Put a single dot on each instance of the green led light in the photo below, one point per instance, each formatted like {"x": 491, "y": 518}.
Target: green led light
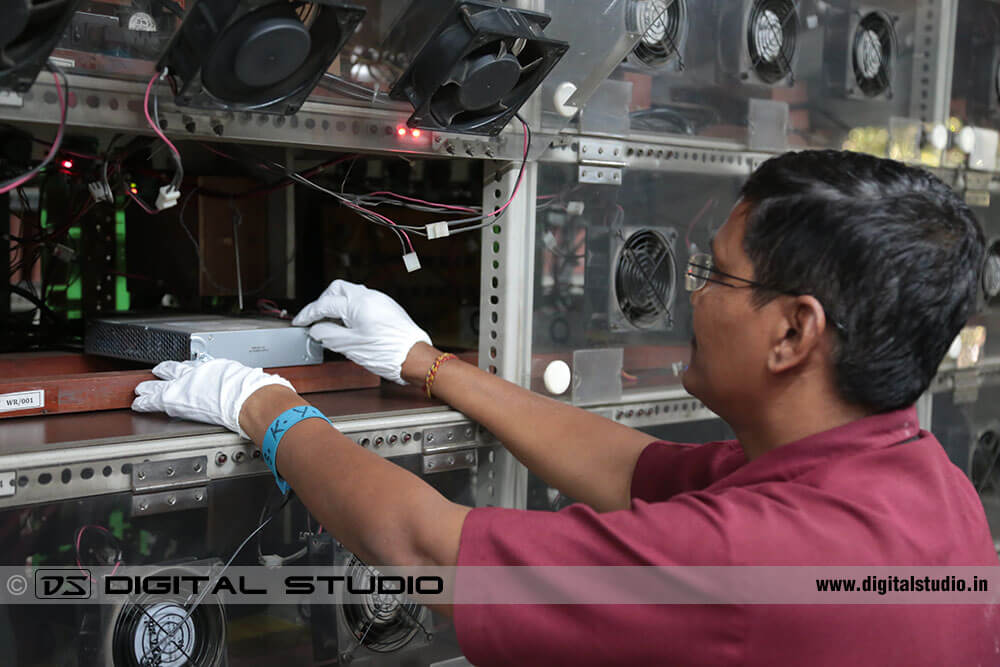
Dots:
{"x": 123, "y": 299}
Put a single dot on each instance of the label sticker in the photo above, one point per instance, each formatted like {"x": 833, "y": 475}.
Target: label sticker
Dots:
{"x": 8, "y": 483}
{"x": 22, "y": 400}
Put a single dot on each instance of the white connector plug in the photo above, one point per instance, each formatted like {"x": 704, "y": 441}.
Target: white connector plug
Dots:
{"x": 411, "y": 261}
{"x": 100, "y": 191}
{"x": 167, "y": 198}
{"x": 438, "y": 230}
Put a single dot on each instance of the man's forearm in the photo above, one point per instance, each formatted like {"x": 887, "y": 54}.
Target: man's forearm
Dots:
{"x": 587, "y": 457}
{"x": 381, "y": 512}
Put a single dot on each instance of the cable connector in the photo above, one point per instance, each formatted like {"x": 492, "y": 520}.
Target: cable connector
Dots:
{"x": 167, "y": 198}
{"x": 100, "y": 191}
{"x": 411, "y": 261}
{"x": 438, "y": 230}
{"x": 575, "y": 208}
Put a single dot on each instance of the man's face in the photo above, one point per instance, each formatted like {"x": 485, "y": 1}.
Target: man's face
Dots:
{"x": 728, "y": 368}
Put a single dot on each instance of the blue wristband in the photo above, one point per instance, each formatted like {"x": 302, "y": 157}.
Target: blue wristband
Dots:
{"x": 277, "y": 429}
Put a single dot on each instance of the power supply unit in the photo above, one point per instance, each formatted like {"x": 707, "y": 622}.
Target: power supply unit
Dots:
{"x": 254, "y": 341}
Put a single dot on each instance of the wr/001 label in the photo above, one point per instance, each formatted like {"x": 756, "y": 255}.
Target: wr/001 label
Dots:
{"x": 22, "y": 400}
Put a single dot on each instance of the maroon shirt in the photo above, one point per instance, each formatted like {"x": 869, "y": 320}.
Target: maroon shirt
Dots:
{"x": 859, "y": 494}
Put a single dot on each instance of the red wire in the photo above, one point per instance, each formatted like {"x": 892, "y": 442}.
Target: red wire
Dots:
{"x": 464, "y": 209}
{"x": 149, "y": 119}
{"x": 52, "y": 152}
{"x": 141, "y": 203}
{"x": 520, "y": 176}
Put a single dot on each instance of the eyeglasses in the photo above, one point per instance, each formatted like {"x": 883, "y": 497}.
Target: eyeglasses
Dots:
{"x": 701, "y": 266}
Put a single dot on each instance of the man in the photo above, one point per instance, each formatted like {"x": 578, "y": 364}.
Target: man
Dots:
{"x": 831, "y": 295}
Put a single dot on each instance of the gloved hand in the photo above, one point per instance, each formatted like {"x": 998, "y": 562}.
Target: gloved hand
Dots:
{"x": 207, "y": 391}
{"x": 377, "y": 334}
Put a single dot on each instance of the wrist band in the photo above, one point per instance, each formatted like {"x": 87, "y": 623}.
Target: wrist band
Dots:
{"x": 278, "y": 428}
{"x": 432, "y": 372}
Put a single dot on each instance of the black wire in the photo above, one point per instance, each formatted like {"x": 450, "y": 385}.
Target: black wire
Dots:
{"x": 57, "y": 71}
{"x": 48, "y": 312}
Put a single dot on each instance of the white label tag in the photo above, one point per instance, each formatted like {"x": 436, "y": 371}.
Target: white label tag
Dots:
{"x": 8, "y": 98}
{"x": 22, "y": 400}
{"x": 8, "y": 483}
{"x": 65, "y": 63}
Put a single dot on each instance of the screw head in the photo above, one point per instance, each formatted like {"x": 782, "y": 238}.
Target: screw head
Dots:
{"x": 197, "y": 466}
{"x": 171, "y": 500}
{"x": 170, "y": 471}
{"x": 140, "y": 475}
{"x": 143, "y": 506}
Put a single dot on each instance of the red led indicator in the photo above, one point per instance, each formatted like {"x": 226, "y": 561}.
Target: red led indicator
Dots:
{"x": 401, "y": 131}
{"x": 67, "y": 164}
{"x": 415, "y": 133}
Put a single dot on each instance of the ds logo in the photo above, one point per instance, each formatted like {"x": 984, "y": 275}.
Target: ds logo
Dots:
{"x": 62, "y": 584}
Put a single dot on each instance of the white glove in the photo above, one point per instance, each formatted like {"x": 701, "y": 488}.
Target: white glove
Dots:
{"x": 377, "y": 334}
{"x": 207, "y": 391}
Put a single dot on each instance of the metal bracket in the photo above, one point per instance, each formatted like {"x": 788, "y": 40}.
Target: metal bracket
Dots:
{"x": 457, "y": 460}
{"x": 977, "y": 188}
{"x": 169, "y": 474}
{"x": 449, "y": 438}
{"x": 967, "y": 383}
{"x": 602, "y": 152}
{"x": 600, "y": 175}
{"x": 170, "y": 501}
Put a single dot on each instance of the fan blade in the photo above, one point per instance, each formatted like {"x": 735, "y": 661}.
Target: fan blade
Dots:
{"x": 534, "y": 64}
{"x": 446, "y": 104}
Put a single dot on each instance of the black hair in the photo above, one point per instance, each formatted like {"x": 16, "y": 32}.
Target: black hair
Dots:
{"x": 892, "y": 253}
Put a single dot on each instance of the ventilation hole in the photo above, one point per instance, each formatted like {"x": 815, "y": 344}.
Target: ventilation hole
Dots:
{"x": 87, "y": 473}
{"x": 44, "y": 478}
{"x": 66, "y": 476}
{"x": 496, "y": 247}
{"x": 495, "y": 282}
{"x": 496, "y": 229}
{"x": 107, "y": 471}
{"x": 493, "y": 335}
{"x": 326, "y": 126}
{"x": 496, "y": 264}
{"x": 22, "y": 481}
{"x": 493, "y": 353}
{"x": 126, "y": 468}
{"x": 494, "y": 299}
{"x": 493, "y": 370}
{"x": 494, "y": 318}
{"x": 497, "y": 193}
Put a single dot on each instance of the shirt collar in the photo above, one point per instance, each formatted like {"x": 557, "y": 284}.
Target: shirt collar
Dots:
{"x": 787, "y": 461}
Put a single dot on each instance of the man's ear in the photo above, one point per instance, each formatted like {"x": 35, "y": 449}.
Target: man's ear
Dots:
{"x": 797, "y": 333}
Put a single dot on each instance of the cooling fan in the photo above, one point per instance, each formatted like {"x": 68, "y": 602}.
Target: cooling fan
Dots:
{"x": 984, "y": 464}
{"x": 261, "y": 55}
{"x": 479, "y": 63}
{"x": 156, "y": 629}
{"x": 29, "y": 31}
{"x": 991, "y": 275}
{"x": 663, "y": 25}
{"x": 872, "y": 55}
{"x": 379, "y": 623}
{"x": 767, "y": 31}
{"x": 643, "y": 279}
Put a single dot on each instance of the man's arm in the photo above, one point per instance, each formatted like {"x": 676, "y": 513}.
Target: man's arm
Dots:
{"x": 585, "y": 456}
{"x": 382, "y": 513}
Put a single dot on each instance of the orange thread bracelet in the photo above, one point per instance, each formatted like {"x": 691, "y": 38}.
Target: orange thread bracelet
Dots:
{"x": 432, "y": 372}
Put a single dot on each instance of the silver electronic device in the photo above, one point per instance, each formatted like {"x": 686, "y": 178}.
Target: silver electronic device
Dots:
{"x": 254, "y": 341}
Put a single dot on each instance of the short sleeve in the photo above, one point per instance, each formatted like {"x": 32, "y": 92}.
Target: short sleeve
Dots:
{"x": 688, "y": 531}
{"x": 665, "y": 469}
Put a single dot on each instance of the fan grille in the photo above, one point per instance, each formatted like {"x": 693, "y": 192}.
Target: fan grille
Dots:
{"x": 991, "y": 274}
{"x": 645, "y": 278}
{"x": 772, "y": 27}
{"x": 984, "y": 468}
{"x": 662, "y": 24}
{"x": 380, "y": 623}
{"x": 872, "y": 53}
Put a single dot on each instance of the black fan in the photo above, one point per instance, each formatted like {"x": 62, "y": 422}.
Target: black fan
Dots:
{"x": 771, "y": 32}
{"x": 380, "y": 623}
{"x": 29, "y": 31}
{"x": 479, "y": 65}
{"x": 663, "y": 26}
{"x": 984, "y": 468}
{"x": 991, "y": 275}
{"x": 645, "y": 279}
{"x": 254, "y": 55}
{"x": 872, "y": 54}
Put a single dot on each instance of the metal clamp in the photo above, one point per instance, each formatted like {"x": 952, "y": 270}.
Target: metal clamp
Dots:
{"x": 458, "y": 460}
{"x": 169, "y": 474}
